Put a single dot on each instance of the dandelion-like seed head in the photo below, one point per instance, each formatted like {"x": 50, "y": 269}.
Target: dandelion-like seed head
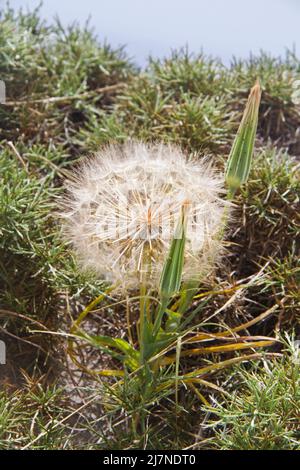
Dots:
{"x": 122, "y": 208}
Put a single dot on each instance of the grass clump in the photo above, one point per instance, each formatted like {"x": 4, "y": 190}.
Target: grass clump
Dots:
{"x": 195, "y": 101}
{"x": 279, "y": 112}
{"x": 262, "y": 411}
{"x": 34, "y": 270}
{"x": 30, "y": 412}
{"x": 152, "y": 107}
{"x": 54, "y": 77}
{"x": 270, "y": 207}
{"x": 26, "y": 249}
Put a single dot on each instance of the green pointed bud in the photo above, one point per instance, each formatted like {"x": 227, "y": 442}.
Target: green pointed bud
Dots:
{"x": 170, "y": 280}
{"x": 239, "y": 161}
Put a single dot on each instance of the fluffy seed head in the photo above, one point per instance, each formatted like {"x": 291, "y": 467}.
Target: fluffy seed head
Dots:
{"x": 122, "y": 208}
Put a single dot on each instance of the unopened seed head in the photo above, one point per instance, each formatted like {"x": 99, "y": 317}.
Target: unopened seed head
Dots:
{"x": 122, "y": 207}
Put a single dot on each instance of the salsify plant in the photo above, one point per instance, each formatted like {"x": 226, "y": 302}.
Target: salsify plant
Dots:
{"x": 151, "y": 221}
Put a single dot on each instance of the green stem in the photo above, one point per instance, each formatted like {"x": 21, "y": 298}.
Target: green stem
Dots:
{"x": 143, "y": 319}
{"x": 162, "y": 308}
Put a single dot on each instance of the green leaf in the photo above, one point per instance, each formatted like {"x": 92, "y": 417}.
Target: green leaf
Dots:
{"x": 131, "y": 356}
{"x": 171, "y": 276}
{"x": 170, "y": 280}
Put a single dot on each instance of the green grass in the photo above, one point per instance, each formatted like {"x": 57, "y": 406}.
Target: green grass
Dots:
{"x": 39, "y": 62}
{"x": 34, "y": 268}
{"x": 30, "y": 413}
{"x": 262, "y": 412}
{"x": 54, "y": 117}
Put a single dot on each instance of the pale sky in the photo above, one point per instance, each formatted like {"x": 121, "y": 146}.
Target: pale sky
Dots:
{"x": 222, "y": 28}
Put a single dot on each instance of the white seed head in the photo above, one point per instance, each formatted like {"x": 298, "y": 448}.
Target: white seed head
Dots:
{"x": 122, "y": 208}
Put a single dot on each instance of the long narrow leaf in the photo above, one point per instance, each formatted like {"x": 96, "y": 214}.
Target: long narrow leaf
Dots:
{"x": 172, "y": 271}
{"x": 239, "y": 161}
{"x": 219, "y": 349}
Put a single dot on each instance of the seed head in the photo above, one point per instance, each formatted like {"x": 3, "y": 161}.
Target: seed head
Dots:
{"x": 122, "y": 208}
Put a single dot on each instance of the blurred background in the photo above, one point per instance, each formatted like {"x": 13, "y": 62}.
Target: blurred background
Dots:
{"x": 222, "y": 28}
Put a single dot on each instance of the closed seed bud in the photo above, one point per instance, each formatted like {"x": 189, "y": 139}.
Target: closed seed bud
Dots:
{"x": 239, "y": 160}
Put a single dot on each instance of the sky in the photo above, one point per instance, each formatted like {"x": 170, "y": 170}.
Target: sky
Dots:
{"x": 221, "y": 28}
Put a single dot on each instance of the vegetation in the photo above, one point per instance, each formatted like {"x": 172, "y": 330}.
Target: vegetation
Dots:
{"x": 52, "y": 395}
{"x": 263, "y": 414}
